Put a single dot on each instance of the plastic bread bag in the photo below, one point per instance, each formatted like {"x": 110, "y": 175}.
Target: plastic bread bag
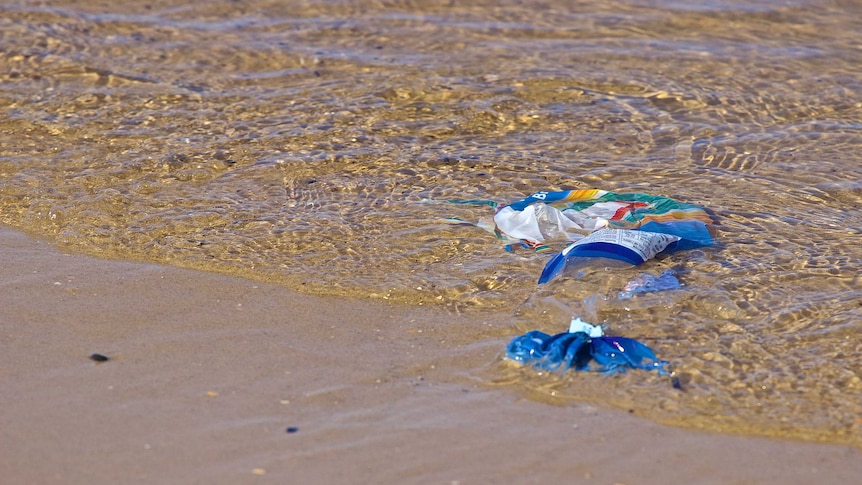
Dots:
{"x": 573, "y": 214}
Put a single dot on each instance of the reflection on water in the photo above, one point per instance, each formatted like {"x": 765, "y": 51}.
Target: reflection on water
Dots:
{"x": 306, "y": 143}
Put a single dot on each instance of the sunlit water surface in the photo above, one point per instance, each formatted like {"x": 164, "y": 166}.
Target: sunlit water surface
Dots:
{"x": 315, "y": 144}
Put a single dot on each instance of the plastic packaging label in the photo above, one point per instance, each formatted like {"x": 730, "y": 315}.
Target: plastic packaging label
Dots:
{"x": 632, "y": 246}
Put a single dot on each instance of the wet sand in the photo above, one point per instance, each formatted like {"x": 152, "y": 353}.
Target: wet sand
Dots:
{"x": 214, "y": 379}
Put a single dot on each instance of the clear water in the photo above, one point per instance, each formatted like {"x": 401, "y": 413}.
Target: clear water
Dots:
{"x": 306, "y": 142}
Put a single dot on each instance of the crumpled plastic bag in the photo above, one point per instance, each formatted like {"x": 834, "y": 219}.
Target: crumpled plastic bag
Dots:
{"x": 582, "y": 348}
{"x": 628, "y": 227}
{"x": 573, "y": 214}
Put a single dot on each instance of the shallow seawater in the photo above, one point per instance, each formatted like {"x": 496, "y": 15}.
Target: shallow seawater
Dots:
{"x": 316, "y": 144}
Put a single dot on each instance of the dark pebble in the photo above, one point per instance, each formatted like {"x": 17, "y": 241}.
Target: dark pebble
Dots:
{"x": 292, "y": 429}
{"x": 99, "y": 358}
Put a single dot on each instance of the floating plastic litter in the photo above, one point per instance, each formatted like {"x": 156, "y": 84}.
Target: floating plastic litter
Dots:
{"x": 628, "y": 227}
{"x": 573, "y": 214}
{"x": 584, "y": 349}
{"x": 646, "y": 283}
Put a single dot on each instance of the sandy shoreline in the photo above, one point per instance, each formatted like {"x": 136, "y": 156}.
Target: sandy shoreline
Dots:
{"x": 207, "y": 373}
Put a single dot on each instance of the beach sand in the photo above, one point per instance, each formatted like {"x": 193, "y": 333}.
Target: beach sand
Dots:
{"x": 214, "y": 379}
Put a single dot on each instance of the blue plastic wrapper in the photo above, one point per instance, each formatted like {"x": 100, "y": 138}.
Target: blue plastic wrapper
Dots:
{"x": 579, "y": 351}
{"x": 646, "y": 283}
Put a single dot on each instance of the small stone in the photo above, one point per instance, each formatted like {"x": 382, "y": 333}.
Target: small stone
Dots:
{"x": 99, "y": 357}
{"x": 292, "y": 429}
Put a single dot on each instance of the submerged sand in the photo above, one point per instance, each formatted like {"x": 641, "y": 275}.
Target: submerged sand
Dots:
{"x": 214, "y": 379}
